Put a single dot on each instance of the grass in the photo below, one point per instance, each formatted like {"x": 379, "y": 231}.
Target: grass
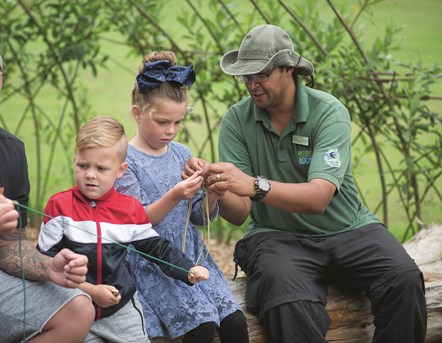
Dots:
{"x": 420, "y": 39}
{"x": 110, "y": 91}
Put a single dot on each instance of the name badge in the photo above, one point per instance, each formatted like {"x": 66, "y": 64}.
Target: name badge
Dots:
{"x": 300, "y": 140}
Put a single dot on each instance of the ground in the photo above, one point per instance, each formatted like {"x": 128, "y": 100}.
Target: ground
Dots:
{"x": 223, "y": 255}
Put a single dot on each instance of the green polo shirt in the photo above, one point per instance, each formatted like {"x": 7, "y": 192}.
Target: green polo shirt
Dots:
{"x": 315, "y": 145}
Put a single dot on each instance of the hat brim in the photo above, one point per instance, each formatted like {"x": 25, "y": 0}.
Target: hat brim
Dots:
{"x": 231, "y": 65}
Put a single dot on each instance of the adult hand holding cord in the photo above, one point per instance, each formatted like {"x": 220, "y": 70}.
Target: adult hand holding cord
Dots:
{"x": 8, "y": 215}
{"x": 193, "y": 164}
{"x": 231, "y": 179}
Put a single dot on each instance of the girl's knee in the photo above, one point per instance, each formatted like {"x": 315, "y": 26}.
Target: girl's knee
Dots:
{"x": 205, "y": 332}
{"x": 233, "y": 328}
{"x": 234, "y": 321}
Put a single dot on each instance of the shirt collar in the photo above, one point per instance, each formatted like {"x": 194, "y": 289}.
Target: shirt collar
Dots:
{"x": 108, "y": 195}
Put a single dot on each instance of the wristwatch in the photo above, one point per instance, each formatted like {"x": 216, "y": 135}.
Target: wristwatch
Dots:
{"x": 262, "y": 187}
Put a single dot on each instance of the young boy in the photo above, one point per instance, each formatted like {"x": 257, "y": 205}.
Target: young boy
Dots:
{"x": 93, "y": 219}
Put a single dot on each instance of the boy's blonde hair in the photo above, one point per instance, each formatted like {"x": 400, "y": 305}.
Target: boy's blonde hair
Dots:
{"x": 102, "y": 132}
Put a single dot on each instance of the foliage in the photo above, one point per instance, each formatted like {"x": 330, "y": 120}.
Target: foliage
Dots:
{"x": 51, "y": 41}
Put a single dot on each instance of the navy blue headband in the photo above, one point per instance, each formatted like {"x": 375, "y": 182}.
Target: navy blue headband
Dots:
{"x": 155, "y": 73}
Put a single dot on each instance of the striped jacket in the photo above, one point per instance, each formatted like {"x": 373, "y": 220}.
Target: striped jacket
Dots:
{"x": 102, "y": 229}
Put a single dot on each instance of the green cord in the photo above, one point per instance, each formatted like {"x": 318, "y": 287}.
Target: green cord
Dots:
{"x": 104, "y": 238}
{"x": 109, "y": 240}
{"x": 22, "y": 272}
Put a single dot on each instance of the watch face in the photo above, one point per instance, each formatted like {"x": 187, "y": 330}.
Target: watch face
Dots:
{"x": 262, "y": 187}
{"x": 264, "y": 184}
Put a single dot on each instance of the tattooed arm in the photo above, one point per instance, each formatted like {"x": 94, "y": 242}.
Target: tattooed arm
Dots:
{"x": 66, "y": 269}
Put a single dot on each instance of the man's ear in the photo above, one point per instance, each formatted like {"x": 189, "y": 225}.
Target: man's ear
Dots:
{"x": 122, "y": 169}
{"x": 136, "y": 113}
{"x": 290, "y": 71}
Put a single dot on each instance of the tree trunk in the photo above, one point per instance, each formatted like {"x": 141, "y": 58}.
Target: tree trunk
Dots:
{"x": 352, "y": 321}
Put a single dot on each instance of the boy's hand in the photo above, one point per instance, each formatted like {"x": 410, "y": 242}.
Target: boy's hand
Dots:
{"x": 105, "y": 295}
{"x": 197, "y": 274}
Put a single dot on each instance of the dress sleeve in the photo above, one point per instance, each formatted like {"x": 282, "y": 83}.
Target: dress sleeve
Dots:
{"x": 130, "y": 185}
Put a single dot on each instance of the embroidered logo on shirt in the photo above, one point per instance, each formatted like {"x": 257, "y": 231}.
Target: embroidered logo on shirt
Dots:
{"x": 333, "y": 158}
{"x": 304, "y": 156}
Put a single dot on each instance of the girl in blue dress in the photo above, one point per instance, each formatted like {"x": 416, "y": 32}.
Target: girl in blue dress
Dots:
{"x": 171, "y": 308}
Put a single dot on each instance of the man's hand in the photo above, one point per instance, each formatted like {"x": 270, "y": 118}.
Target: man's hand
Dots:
{"x": 220, "y": 177}
{"x": 193, "y": 165}
{"x": 223, "y": 176}
{"x": 8, "y": 215}
{"x": 227, "y": 185}
{"x": 68, "y": 269}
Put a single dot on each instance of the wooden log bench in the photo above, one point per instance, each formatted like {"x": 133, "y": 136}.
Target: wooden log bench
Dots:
{"x": 352, "y": 321}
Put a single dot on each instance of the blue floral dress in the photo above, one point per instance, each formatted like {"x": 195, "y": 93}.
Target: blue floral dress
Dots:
{"x": 172, "y": 308}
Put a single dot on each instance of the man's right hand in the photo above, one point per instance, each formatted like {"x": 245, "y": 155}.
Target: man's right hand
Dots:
{"x": 67, "y": 269}
{"x": 8, "y": 215}
{"x": 193, "y": 165}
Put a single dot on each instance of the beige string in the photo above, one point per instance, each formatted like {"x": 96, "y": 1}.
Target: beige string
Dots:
{"x": 206, "y": 225}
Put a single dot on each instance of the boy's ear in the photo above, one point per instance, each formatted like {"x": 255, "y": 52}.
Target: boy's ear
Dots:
{"x": 122, "y": 169}
{"x": 136, "y": 113}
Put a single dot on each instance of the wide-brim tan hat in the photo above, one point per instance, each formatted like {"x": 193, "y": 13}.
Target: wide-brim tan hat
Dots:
{"x": 264, "y": 48}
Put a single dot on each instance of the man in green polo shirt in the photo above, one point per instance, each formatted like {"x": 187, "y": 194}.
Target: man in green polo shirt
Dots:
{"x": 286, "y": 152}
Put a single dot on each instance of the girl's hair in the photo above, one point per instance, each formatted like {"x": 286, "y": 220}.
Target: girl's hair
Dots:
{"x": 166, "y": 90}
{"x": 102, "y": 132}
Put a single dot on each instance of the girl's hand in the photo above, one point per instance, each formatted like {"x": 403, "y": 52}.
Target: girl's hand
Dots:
{"x": 105, "y": 295}
{"x": 186, "y": 189}
{"x": 197, "y": 274}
